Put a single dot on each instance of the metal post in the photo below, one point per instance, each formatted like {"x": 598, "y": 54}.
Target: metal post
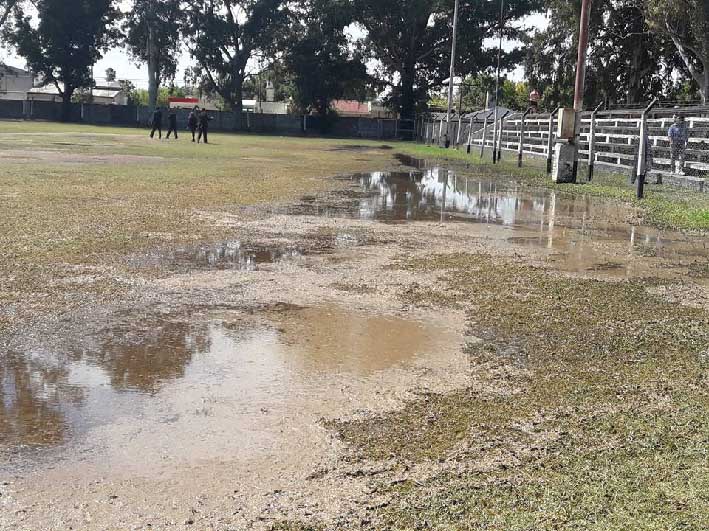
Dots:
{"x": 592, "y": 142}
{"x": 497, "y": 82}
{"x": 642, "y": 152}
{"x": 482, "y": 145}
{"x": 470, "y": 132}
{"x": 580, "y": 79}
{"x": 520, "y": 149}
{"x": 451, "y": 79}
{"x": 550, "y": 140}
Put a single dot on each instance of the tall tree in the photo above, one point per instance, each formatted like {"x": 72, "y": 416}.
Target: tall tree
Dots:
{"x": 321, "y": 63}
{"x": 411, "y": 41}
{"x": 152, "y": 34}
{"x": 226, "y": 34}
{"x": 686, "y": 23}
{"x": 68, "y": 39}
{"x": 627, "y": 64}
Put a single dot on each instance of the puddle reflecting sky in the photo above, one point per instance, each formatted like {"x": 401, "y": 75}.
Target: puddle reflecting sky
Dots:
{"x": 191, "y": 385}
{"x": 582, "y": 233}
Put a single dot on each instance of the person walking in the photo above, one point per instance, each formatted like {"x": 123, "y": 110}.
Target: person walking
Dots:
{"x": 172, "y": 123}
{"x": 157, "y": 123}
{"x": 679, "y": 139}
{"x": 203, "y": 126}
{"x": 193, "y": 122}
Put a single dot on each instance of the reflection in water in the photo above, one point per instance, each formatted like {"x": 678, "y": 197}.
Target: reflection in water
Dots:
{"x": 149, "y": 377}
{"x": 32, "y": 391}
{"x": 221, "y": 256}
{"x": 582, "y": 233}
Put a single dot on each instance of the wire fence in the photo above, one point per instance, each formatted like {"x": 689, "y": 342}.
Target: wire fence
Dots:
{"x": 609, "y": 140}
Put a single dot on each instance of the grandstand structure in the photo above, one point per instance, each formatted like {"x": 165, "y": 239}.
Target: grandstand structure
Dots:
{"x": 608, "y": 138}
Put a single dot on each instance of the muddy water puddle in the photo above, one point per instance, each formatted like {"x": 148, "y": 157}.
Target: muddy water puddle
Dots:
{"x": 577, "y": 233}
{"x": 158, "y": 390}
{"x": 228, "y": 255}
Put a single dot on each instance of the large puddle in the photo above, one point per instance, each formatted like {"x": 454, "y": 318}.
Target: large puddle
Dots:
{"x": 579, "y": 233}
{"x": 169, "y": 388}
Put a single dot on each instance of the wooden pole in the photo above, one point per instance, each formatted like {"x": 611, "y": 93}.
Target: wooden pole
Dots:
{"x": 580, "y": 79}
{"x": 451, "y": 79}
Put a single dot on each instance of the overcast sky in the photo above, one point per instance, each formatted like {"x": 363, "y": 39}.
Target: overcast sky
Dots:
{"x": 119, "y": 60}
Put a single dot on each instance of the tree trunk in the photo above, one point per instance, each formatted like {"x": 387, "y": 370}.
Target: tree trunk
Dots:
{"x": 153, "y": 71}
{"x": 408, "y": 98}
{"x": 66, "y": 103}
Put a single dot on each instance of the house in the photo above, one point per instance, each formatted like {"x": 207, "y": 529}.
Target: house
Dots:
{"x": 14, "y": 83}
{"x": 357, "y": 109}
{"x": 106, "y": 94}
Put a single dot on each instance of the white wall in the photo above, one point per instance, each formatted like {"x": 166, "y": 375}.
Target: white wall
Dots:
{"x": 14, "y": 87}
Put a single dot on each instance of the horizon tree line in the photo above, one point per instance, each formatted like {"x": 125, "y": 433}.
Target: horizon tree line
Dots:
{"x": 638, "y": 48}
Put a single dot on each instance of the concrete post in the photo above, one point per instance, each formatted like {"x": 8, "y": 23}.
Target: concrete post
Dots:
{"x": 550, "y": 140}
{"x": 470, "y": 133}
{"x": 460, "y": 128}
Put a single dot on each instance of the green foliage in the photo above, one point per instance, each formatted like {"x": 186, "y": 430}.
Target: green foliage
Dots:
{"x": 157, "y": 23}
{"x": 322, "y": 66}
{"x": 68, "y": 39}
{"x": 626, "y": 64}
{"x": 226, "y": 34}
{"x": 686, "y": 24}
{"x": 141, "y": 96}
{"x": 411, "y": 40}
{"x": 514, "y": 95}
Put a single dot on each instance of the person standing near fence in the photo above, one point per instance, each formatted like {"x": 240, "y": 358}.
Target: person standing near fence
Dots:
{"x": 679, "y": 139}
{"x": 193, "y": 122}
{"x": 203, "y": 126}
{"x": 157, "y": 123}
{"x": 172, "y": 123}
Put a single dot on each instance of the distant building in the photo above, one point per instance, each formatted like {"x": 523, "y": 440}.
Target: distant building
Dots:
{"x": 15, "y": 83}
{"x": 110, "y": 93}
{"x": 357, "y": 109}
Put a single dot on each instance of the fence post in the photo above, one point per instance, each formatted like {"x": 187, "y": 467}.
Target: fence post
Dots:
{"x": 592, "y": 142}
{"x": 470, "y": 132}
{"x": 460, "y": 128}
{"x": 494, "y": 136}
{"x": 642, "y": 152}
{"x": 499, "y": 135}
{"x": 520, "y": 149}
{"x": 482, "y": 145}
{"x": 550, "y": 140}
{"x": 440, "y": 133}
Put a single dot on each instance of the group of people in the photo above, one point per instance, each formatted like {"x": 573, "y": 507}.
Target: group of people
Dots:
{"x": 197, "y": 123}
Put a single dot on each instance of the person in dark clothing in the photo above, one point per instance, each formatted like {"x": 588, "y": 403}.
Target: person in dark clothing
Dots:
{"x": 193, "y": 122}
{"x": 172, "y": 123}
{"x": 203, "y": 126}
{"x": 157, "y": 123}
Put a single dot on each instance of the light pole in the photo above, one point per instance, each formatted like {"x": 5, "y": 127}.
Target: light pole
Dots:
{"x": 451, "y": 80}
{"x": 580, "y": 80}
{"x": 497, "y": 82}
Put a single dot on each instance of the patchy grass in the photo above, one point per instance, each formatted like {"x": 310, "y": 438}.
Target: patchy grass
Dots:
{"x": 76, "y": 196}
{"x": 663, "y": 206}
{"x": 587, "y": 410}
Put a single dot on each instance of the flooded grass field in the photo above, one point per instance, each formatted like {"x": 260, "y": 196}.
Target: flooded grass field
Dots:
{"x": 339, "y": 338}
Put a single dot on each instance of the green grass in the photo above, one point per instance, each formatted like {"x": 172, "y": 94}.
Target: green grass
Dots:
{"x": 587, "y": 410}
{"x": 663, "y": 206}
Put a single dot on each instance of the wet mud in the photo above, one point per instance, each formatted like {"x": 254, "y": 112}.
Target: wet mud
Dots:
{"x": 204, "y": 399}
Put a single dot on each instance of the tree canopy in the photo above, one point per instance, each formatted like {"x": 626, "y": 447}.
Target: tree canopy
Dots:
{"x": 68, "y": 39}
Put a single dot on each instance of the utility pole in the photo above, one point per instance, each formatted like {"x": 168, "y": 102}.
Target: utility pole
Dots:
{"x": 580, "y": 79}
{"x": 497, "y": 82}
{"x": 451, "y": 80}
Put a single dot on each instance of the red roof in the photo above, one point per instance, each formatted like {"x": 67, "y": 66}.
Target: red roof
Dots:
{"x": 351, "y": 107}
